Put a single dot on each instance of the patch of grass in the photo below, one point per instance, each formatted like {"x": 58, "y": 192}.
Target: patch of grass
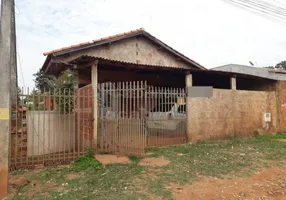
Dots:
{"x": 134, "y": 159}
{"x": 85, "y": 162}
{"x": 268, "y": 137}
{"x": 46, "y": 174}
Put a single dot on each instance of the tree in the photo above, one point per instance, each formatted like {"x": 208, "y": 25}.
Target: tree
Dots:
{"x": 61, "y": 88}
{"x": 44, "y": 81}
{"x": 281, "y": 65}
{"x": 64, "y": 89}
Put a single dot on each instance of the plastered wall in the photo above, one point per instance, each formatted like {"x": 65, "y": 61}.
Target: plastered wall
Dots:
{"x": 231, "y": 113}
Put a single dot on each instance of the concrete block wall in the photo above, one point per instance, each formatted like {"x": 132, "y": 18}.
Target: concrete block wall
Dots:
{"x": 232, "y": 113}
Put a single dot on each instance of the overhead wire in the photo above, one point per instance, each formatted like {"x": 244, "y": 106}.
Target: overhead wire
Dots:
{"x": 263, "y": 12}
{"x": 260, "y": 5}
{"x": 257, "y": 7}
{"x": 20, "y": 66}
{"x": 279, "y": 2}
{"x": 263, "y": 5}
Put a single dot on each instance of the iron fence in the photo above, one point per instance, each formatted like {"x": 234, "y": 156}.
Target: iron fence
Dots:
{"x": 46, "y": 127}
{"x": 56, "y": 127}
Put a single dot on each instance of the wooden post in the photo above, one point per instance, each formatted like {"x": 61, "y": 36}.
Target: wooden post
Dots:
{"x": 189, "y": 83}
{"x": 5, "y": 86}
{"x": 233, "y": 83}
{"x": 94, "y": 81}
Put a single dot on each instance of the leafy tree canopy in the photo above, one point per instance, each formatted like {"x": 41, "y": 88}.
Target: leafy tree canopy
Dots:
{"x": 281, "y": 65}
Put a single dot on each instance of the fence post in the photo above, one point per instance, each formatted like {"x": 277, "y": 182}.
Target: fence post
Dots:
{"x": 94, "y": 81}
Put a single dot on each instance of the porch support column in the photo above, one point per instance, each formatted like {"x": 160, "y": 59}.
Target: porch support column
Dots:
{"x": 233, "y": 83}
{"x": 94, "y": 81}
{"x": 189, "y": 83}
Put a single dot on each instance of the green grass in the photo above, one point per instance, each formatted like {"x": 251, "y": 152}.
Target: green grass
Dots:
{"x": 241, "y": 157}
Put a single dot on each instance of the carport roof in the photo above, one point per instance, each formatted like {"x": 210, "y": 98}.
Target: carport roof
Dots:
{"x": 84, "y": 61}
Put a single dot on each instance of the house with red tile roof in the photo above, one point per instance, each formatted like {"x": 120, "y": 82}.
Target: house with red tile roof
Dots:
{"x": 235, "y": 108}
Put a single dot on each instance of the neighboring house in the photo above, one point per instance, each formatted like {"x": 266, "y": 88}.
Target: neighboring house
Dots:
{"x": 274, "y": 74}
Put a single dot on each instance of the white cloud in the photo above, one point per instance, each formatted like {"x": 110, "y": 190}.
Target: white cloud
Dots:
{"x": 211, "y": 32}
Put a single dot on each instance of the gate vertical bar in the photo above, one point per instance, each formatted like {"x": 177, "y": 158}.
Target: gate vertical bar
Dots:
{"x": 139, "y": 105}
{"x": 133, "y": 118}
{"x": 144, "y": 116}
{"x": 130, "y": 117}
{"x": 54, "y": 129}
{"x": 22, "y": 130}
{"x": 112, "y": 119}
{"x": 82, "y": 114}
{"x": 27, "y": 121}
{"x": 102, "y": 117}
{"x": 75, "y": 107}
{"x": 49, "y": 127}
{"x": 44, "y": 124}
{"x": 38, "y": 136}
{"x": 69, "y": 124}
{"x": 64, "y": 118}
{"x": 58, "y": 125}
{"x": 122, "y": 118}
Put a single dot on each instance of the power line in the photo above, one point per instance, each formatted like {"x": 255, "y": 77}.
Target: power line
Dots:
{"x": 262, "y": 11}
{"x": 263, "y": 5}
{"x": 20, "y": 66}
{"x": 274, "y": 10}
{"x": 279, "y": 3}
{"x": 260, "y": 8}
{"x": 17, "y": 9}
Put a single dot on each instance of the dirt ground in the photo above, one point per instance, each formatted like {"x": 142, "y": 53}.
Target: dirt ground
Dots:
{"x": 268, "y": 184}
{"x": 107, "y": 159}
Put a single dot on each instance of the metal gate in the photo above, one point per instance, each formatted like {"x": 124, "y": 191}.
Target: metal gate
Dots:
{"x": 134, "y": 116}
{"x": 121, "y": 111}
{"x": 166, "y": 118}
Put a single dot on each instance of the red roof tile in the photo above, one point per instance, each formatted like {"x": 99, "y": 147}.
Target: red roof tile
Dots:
{"x": 96, "y": 40}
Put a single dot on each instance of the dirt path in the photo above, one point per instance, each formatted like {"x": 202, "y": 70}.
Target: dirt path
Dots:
{"x": 266, "y": 185}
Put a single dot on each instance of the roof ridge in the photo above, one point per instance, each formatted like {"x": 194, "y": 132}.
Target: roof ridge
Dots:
{"x": 93, "y": 41}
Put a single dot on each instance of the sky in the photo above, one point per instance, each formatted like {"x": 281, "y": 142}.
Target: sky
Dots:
{"x": 211, "y": 32}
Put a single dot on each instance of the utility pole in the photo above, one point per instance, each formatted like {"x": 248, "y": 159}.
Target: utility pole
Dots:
{"x": 14, "y": 74}
{"x": 5, "y": 86}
